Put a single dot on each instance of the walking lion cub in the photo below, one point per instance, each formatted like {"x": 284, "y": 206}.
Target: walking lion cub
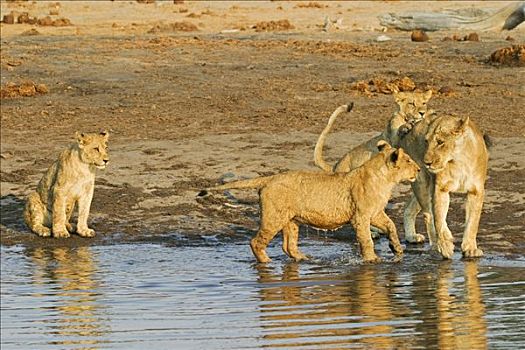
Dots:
{"x": 328, "y": 201}
{"x": 69, "y": 182}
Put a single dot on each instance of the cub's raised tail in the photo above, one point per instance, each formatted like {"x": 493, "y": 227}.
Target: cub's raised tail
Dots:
{"x": 318, "y": 151}
{"x": 257, "y": 183}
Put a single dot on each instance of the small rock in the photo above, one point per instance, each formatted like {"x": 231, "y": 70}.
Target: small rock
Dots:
{"x": 472, "y": 37}
{"x": 419, "y": 36}
{"x": 383, "y": 38}
{"x": 509, "y": 38}
{"x": 9, "y": 19}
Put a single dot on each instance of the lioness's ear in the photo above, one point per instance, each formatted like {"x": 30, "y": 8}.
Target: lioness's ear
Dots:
{"x": 428, "y": 95}
{"x": 382, "y": 144}
{"x": 398, "y": 96}
{"x": 462, "y": 125}
{"x": 80, "y": 137}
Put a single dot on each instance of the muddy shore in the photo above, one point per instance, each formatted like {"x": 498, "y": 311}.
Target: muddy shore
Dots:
{"x": 189, "y": 109}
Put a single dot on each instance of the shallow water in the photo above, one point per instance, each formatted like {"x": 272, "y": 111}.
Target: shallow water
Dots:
{"x": 215, "y": 297}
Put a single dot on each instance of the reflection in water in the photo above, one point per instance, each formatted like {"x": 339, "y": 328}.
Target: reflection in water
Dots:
{"x": 372, "y": 309}
{"x": 159, "y": 297}
{"x": 461, "y": 322}
{"x": 74, "y": 292}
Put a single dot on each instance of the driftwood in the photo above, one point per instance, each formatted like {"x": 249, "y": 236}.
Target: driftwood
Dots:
{"x": 507, "y": 18}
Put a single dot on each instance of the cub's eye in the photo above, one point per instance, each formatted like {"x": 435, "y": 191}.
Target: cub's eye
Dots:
{"x": 97, "y": 149}
{"x": 440, "y": 142}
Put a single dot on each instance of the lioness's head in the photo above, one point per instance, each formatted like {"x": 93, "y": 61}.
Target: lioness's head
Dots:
{"x": 441, "y": 140}
{"x": 93, "y": 148}
{"x": 412, "y": 108}
{"x": 403, "y": 167}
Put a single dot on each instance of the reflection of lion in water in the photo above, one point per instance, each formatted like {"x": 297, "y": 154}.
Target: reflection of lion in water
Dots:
{"x": 453, "y": 152}
{"x": 328, "y": 201}
{"x": 69, "y": 182}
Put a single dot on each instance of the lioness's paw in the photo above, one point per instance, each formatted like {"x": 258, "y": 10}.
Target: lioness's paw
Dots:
{"x": 61, "y": 233}
{"x": 473, "y": 253}
{"x": 70, "y": 228}
{"x": 87, "y": 232}
{"x": 417, "y": 238}
{"x": 445, "y": 248}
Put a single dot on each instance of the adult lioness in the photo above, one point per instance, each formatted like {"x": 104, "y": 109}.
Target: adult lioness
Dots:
{"x": 68, "y": 182}
{"x": 453, "y": 152}
{"x": 328, "y": 201}
{"x": 412, "y": 108}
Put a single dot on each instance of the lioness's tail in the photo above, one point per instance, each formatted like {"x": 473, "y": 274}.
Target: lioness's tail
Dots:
{"x": 318, "y": 151}
{"x": 258, "y": 182}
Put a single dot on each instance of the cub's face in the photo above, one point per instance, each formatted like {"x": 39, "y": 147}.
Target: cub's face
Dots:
{"x": 406, "y": 168}
{"x": 94, "y": 148}
{"x": 403, "y": 167}
{"x": 412, "y": 108}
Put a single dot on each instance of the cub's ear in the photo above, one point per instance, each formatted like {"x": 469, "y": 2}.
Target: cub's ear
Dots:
{"x": 395, "y": 156}
{"x": 80, "y": 138}
{"x": 382, "y": 145}
{"x": 105, "y": 133}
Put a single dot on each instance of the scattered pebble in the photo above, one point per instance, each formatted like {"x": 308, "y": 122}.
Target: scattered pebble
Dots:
{"x": 419, "y": 36}
{"x": 383, "y": 38}
{"x": 509, "y": 56}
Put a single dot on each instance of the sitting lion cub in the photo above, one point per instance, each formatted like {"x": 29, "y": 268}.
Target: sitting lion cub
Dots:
{"x": 68, "y": 182}
{"x": 328, "y": 201}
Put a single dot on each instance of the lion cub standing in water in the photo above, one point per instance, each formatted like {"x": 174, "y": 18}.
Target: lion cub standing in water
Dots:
{"x": 69, "y": 182}
{"x": 328, "y": 201}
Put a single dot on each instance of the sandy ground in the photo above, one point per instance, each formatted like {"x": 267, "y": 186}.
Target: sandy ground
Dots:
{"x": 187, "y": 109}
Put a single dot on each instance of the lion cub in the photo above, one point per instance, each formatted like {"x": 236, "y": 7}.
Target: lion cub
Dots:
{"x": 412, "y": 108}
{"x": 69, "y": 182}
{"x": 328, "y": 201}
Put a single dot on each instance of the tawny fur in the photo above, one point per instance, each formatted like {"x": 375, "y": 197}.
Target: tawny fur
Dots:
{"x": 453, "y": 152}
{"x": 412, "y": 108}
{"x": 69, "y": 182}
{"x": 328, "y": 201}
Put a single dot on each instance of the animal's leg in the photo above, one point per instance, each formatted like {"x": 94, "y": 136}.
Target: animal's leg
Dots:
{"x": 272, "y": 221}
{"x": 291, "y": 238}
{"x": 69, "y": 211}
{"x": 84, "y": 205}
{"x": 409, "y": 221}
{"x": 385, "y": 224}
{"x": 362, "y": 228}
{"x": 59, "y": 215}
{"x": 472, "y": 215}
{"x": 445, "y": 241}
{"x": 34, "y": 215}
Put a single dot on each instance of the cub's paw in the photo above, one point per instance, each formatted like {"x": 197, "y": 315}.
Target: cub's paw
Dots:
{"x": 42, "y": 231}
{"x": 373, "y": 259}
{"x": 87, "y": 232}
{"x": 61, "y": 233}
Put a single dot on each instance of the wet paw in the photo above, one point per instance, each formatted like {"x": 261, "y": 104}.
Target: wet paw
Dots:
{"x": 372, "y": 259}
{"x": 473, "y": 253}
{"x": 70, "y": 228}
{"x": 61, "y": 233}
{"x": 417, "y": 238}
{"x": 301, "y": 257}
{"x": 445, "y": 248}
{"x": 86, "y": 233}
